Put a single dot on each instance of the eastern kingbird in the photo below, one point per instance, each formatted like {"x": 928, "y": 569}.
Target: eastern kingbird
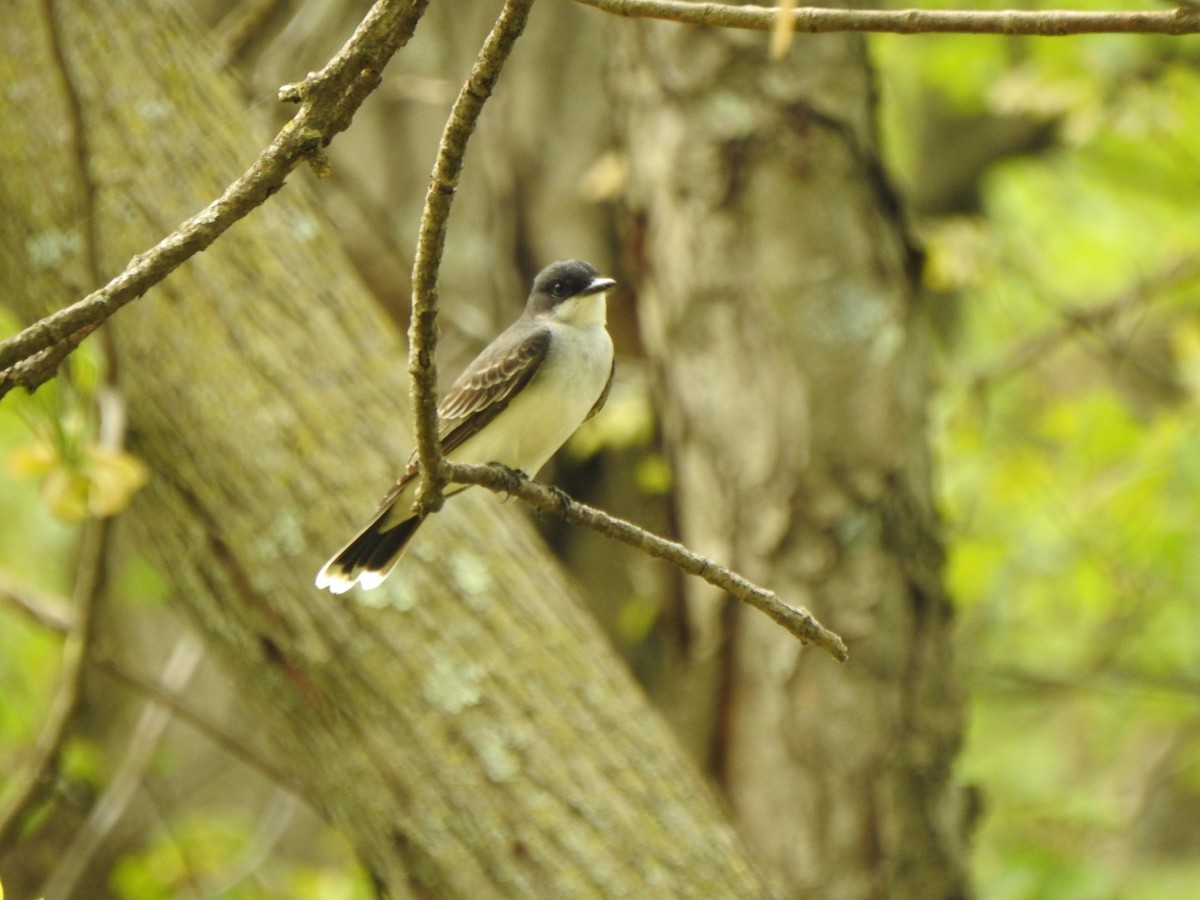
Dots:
{"x": 516, "y": 403}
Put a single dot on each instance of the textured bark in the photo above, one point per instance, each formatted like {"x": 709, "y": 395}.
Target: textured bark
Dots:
{"x": 467, "y": 727}
{"x": 777, "y": 306}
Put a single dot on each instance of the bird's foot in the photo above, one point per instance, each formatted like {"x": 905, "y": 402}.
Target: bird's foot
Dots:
{"x": 562, "y": 497}
{"x": 511, "y": 478}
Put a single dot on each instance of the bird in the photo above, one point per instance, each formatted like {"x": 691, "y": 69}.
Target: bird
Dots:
{"x": 516, "y": 403}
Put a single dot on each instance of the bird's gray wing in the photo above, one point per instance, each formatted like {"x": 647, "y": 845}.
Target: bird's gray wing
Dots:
{"x": 489, "y": 384}
{"x": 482, "y": 392}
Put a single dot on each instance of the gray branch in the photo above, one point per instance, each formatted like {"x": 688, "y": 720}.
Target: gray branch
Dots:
{"x": 811, "y": 20}
{"x": 800, "y": 622}
{"x": 431, "y": 238}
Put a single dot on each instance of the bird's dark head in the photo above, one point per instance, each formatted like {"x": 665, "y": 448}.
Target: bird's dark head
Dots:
{"x": 561, "y": 286}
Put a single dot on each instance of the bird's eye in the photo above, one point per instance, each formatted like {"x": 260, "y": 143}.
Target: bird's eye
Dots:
{"x": 558, "y": 289}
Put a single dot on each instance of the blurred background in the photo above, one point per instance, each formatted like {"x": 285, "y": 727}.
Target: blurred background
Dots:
{"x": 1039, "y": 199}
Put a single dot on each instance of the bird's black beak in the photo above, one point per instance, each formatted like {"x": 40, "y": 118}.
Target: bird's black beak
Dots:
{"x": 598, "y": 285}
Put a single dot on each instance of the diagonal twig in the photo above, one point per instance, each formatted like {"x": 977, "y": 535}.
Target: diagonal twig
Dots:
{"x": 80, "y": 627}
{"x": 1089, "y": 319}
{"x": 32, "y": 782}
{"x": 112, "y": 803}
{"x": 52, "y": 613}
{"x": 812, "y": 20}
{"x": 800, "y": 622}
{"x": 431, "y": 239}
{"x": 328, "y": 100}
{"x": 35, "y": 780}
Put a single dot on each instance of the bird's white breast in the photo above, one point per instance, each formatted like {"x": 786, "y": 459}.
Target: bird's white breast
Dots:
{"x": 555, "y": 402}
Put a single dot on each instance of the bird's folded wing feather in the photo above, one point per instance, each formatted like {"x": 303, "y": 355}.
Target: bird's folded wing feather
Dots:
{"x": 482, "y": 392}
{"x": 489, "y": 384}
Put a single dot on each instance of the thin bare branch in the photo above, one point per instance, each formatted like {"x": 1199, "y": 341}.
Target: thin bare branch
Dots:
{"x": 112, "y": 803}
{"x": 800, "y": 622}
{"x": 1091, "y": 319}
{"x": 177, "y": 703}
{"x": 278, "y": 813}
{"x": 1091, "y": 680}
{"x": 328, "y": 100}
{"x": 53, "y": 613}
{"x": 811, "y": 20}
{"x": 243, "y": 25}
{"x": 431, "y": 239}
{"x": 81, "y": 166}
{"x": 35, "y": 780}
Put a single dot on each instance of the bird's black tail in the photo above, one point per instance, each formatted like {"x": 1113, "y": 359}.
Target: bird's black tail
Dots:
{"x": 370, "y": 557}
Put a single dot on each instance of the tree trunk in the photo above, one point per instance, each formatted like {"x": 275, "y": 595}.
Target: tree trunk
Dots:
{"x": 465, "y": 725}
{"x": 777, "y": 299}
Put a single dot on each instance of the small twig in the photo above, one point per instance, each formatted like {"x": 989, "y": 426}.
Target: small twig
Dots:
{"x": 258, "y": 851}
{"x": 112, "y": 803}
{"x": 800, "y": 622}
{"x": 89, "y": 586}
{"x": 431, "y": 239}
{"x": 53, "y": 613}
{"x": 34, "y": 780}
{"x": 174, "y": 701}
{"x": 1091, "y": 680}
{"x": 242, "y": 25}
{"x": 812, "y": 20}
{"x": 328, "y": 100}
{"x": 81, "y": 155}
{"x": 1088, "y": 319}
{"x": 93, "y": 553}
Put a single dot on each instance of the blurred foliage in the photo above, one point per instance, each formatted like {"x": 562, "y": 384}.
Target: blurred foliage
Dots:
{"x": 216, "y": 854}
{"x": 79, "y": 477}
{"x": 1068, "y": 438}
{"x": 35, "y": 550}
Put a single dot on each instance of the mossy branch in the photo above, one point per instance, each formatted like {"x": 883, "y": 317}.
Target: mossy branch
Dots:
{"x": 328, "y": 100}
